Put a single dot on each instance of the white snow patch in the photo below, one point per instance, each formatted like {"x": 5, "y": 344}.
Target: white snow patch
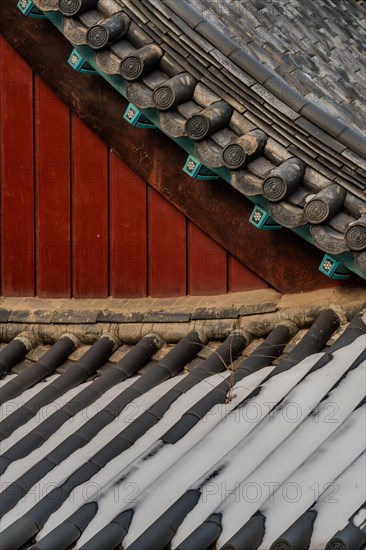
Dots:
{"x": 333, "y": 516}
{"x": 271, "y": 475}
{"x": 204, "y": 457}
{"x": 265, "y": 441}
{"x": 220, "y": 442}
{"x": 11, "y": 406}
{"x": 315, "y": 480}
{"x": 62, "y": 472}
{"x": 6, "y": 378}
{"x": 360, "y": 518}
{"x": 242, "y": 493}
{"x": 18, "y": 467}
{"x": 44, "y": 413}
{"x": 98, "y": 485}
{"x": 124, "y": 493}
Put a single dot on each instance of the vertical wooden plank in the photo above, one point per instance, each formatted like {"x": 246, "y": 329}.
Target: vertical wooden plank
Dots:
{"x": 166, "y": 247}
{"x": 128, "y": 246}
{"x": 207, "y": 264}
{"x": 52, "y": 193}
{"x": 89, "y": 194}
{"x": 241, "y": 278}
{"x": 17, "y": 175}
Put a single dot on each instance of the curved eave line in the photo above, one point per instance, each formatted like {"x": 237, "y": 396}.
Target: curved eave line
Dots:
{"x": 270, "y": 80}
{"x": 282, "y": 113}
{"x": 188, "y": 145}
{"x": 184, "y": 40}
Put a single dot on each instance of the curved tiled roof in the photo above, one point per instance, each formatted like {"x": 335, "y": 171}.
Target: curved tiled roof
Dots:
{"x": 318, "y": 49}
{"x": 188, "y": 445}
{"x": 248, "y": 110}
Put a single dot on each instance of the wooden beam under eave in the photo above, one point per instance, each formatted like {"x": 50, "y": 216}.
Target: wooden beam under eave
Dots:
{"x": 281, "y": 258}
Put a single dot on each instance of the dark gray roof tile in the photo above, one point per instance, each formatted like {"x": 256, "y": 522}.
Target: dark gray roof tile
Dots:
{"x": 295, "y": 72}
{"x": 184, "y": 424}
{"x": 4, "y": 315}
{"x": 74, "y": 316}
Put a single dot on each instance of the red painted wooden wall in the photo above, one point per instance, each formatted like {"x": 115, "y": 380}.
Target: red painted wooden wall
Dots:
{"x": 76, "y": 221}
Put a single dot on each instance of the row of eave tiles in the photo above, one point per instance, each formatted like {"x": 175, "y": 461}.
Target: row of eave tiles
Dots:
{"x": 304, "y": 195}
{"x": 236, "y": 445}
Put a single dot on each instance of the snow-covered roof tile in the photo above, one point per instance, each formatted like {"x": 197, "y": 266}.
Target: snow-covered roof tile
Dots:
{"x": 225, "y": 449}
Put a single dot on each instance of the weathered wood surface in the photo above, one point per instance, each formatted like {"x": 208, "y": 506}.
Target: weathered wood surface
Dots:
{"x": 89, "y": 204}
{"x": 53, "y": 193}
{"x": 91, "y": 211}
{"x": 167, "y": 250}
{"x": 284, "y": 261}
{"x": 17, "y": 175}
{"x": 128, "y": 231}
